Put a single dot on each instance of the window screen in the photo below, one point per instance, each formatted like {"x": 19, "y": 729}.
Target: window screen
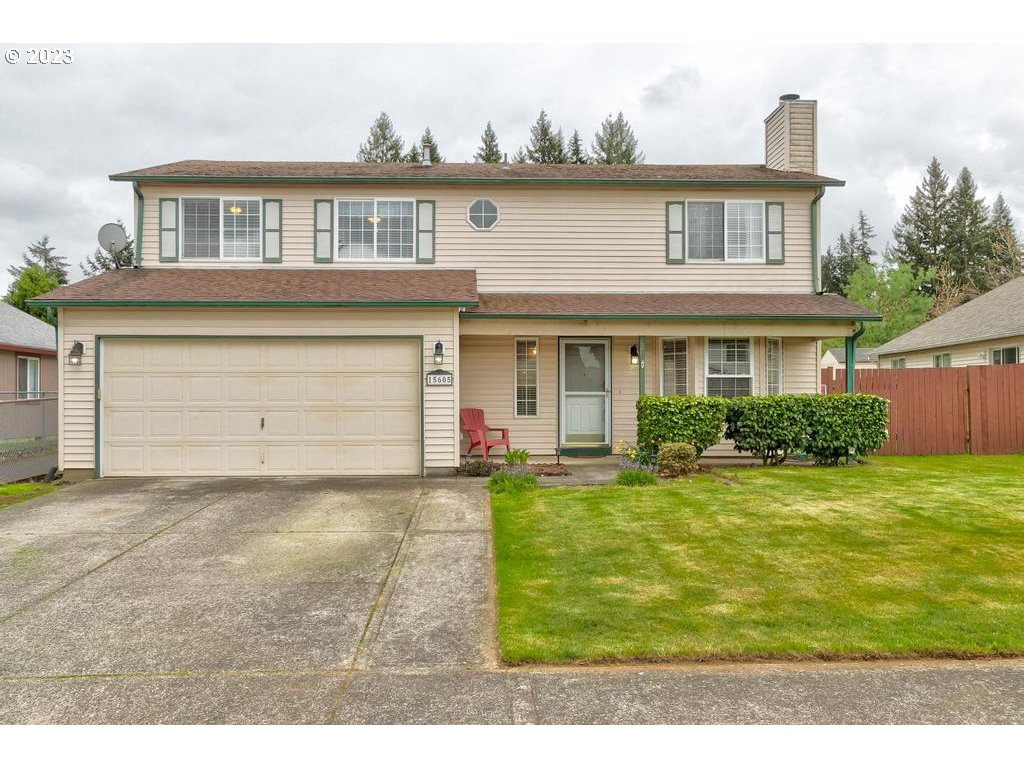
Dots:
{"x": 729, "y": 373}
{"x": 200, "y": 218}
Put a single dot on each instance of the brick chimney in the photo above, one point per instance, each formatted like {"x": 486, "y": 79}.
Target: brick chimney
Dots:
{"x": 791, "y": 135}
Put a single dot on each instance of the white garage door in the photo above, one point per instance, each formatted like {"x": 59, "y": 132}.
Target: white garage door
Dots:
{"x": 260, "y": 407}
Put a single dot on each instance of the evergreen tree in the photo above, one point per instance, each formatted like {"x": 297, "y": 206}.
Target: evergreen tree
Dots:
{"x": 615, "y": 143}
{"x": 41, "y": 254}
{"x": 577, "y": 154}
{"x": 428, "y": 142}
{"x": 546, "y": 145}
{"x": 383, "y": 145}
{"x": 967, "y": 236}
{"x": 489, "y": 152}
{"x": 851, "y": 249}
{"x": 32, "y": 281}
{"x": 102, "y": 261}
{"x": 1004, "y": 247}
{"x": 920, "y": 235}
{"x": 520, "y": 156}
{"x": 893, "y": 291}
{"x": 865, "y": 234}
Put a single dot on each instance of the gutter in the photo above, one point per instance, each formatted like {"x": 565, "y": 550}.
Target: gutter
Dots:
{"x": 815, "y": 272}
{"x": 851, "y": 357}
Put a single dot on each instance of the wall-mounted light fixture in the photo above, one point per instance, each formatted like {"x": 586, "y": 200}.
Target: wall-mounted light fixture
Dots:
{"x": 76, "y": 353}
{"x": 634, "y": 355}
{"x": 439, "y": 353}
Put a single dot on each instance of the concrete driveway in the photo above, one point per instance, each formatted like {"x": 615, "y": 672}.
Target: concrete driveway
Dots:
{"x": 320, "y": 601}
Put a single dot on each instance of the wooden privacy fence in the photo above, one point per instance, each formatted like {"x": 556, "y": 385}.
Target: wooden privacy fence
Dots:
{"x": 978, "y": 409}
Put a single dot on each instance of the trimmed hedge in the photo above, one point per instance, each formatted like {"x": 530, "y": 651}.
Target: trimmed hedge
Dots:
{"x": 679, "y": 419}
{"x": 830, "y": 428}
{"x": 840, "y": 426}
{"x": 771, "y": 427}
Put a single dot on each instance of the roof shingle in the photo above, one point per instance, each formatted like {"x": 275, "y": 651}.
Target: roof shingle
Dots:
{"x": 20, "y": 329}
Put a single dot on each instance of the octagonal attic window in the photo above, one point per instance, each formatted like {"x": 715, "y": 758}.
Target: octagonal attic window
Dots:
{"x": 483, "y": 214}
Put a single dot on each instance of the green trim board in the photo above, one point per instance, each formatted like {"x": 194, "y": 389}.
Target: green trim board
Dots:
{"x": 97, "y": 346}
{"x": 758, "y": 318}
{"x": 643, "y": 364}
{"x": 435, "y": 181}
{"x": 148, "y": 303}
{"x": 815, "y": 276}
{"x": 597, "y": 451}
{"x": 277, "y": 230}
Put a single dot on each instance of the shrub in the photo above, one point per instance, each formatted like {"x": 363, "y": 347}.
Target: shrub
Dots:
{"x": 676, "y": 459}
{"x": 679, "y": 419}
{"x": 636, "y": 477}
{"x": 477, "y": 468}
{"x": 503, "y": 482}
{"x": 517, "y": 458}
{"x": 841, "y": 426}
{"x": 770, "y": 427}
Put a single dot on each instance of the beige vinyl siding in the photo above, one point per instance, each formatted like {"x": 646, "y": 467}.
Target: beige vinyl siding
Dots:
{"x": 776, "y": 139}
{"x": 84, "y": 324}
{"x": 800, "y": 371}
{"x": 803, "y": 138}
{"x": 602, "y": 239}
{"x": 960, "y": 355}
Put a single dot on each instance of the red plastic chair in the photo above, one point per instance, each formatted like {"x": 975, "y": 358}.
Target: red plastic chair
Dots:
{"x": 474, "y": 426}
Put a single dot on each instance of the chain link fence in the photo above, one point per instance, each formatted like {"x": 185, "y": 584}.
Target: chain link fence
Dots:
{"x": 28, "y": 434}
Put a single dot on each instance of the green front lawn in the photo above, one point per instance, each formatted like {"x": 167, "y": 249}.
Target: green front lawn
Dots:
{"x": 15, "y": 492}
{"x": 902, "y": 557}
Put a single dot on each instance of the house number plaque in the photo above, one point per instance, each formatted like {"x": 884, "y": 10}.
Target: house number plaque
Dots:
{"x": 439, "y": 378}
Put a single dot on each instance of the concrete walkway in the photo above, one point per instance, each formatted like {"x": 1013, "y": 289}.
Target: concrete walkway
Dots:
{"x": 327, "y": 601}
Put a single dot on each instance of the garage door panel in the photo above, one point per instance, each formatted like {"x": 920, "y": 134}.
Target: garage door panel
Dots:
{"x": 327, "y": 406}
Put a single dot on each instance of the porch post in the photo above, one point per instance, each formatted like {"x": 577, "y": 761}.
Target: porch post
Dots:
{"x": 643, "y": 363}
{"x": 851, "y": 357}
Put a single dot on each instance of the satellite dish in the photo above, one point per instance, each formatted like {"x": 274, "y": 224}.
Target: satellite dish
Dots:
{"x": 112, "y": 238}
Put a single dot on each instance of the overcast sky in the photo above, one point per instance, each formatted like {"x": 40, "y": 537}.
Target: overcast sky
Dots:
{"x": 883, "y": 111}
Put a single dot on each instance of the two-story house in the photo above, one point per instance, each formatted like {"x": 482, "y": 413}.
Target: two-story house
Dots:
{"x": 302, "y": 318}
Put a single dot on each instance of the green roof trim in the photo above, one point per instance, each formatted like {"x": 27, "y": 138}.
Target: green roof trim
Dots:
{"x": 770, "y": 318}
{"x": 434, "y": 181}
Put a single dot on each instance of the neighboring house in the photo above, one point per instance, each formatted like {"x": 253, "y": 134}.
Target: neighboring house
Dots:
{"x": 332, "y": 318}
{"x": 988, "y": 330}
{"x": 835, "y": 357}
{"x": 28, "y": 355}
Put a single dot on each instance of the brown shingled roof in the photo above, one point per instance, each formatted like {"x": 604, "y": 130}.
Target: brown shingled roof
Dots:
{"x": 524, "y": 173}
{"x": 670, "y": 305}
{"x": 228, "y": 287}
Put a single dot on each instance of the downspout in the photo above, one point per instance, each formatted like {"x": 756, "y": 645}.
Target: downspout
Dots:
{"x": 815, "y": 275}
{"x": 851, "y": 357}
{"x": 140, "y": 203}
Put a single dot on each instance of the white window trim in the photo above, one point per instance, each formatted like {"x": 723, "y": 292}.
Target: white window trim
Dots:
{"x": 753, "y": 361}
{"x": 992, "y": 353}
{"x": 725, "y": 233}
{"x": 220, "y": 229}
{"x": 497, "y": 208}
{"x": 515, "y": 376}
{"x": 661, "y": 362}
{"x": 893, "y": 361}
{"x": 415, "y": 230}
{"x": 940, "y": 354}
{"x": 27, "y": 394}
{"x": 782, "y": 371}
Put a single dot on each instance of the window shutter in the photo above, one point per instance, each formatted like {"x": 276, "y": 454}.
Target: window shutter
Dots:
{"x": 323, "y": 231}
{"x": 774, "y": 226}
{"x": 272, "y": 231}
{"x": 425, "y": 231}
{"x": 169, "y": 229}
{"x": 675, "y": 218}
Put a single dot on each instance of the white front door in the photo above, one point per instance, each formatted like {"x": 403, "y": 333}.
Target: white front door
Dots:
{"x": 586, "y": 391}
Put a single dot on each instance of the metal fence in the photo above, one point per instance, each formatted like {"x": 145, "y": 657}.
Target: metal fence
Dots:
{"x": 28, "y": 434}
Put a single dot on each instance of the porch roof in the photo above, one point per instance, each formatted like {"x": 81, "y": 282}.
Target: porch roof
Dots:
{"x": 669, "y": 306}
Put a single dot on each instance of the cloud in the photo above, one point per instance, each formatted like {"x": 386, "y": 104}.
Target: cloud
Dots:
{"x": 670, "y": 89}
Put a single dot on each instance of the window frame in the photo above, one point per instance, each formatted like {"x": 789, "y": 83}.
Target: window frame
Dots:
{"x": 687, "y": 258}
{"x": 535, "y": 340}
{"x": 898, "y": 363}
{"x": 936, "y": 360}
{"x": 707, "y": 349}
{"x": 661, "y": 360}
{"x": 336, "y": 239}
{"x": 220, "y": 229}
{"x": 497, "y": 214}
{"x": 27, "y": 393}
{"x": 767, "y": 373}
{"x": 993, "y": 350}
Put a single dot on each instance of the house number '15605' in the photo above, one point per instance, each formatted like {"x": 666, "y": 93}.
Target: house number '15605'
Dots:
{"x": 440, "y": 378}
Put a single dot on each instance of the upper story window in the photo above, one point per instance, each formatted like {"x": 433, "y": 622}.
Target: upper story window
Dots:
{"x": 724, "y": 231}
{"x": 219, "y": 228}
{"x": 483, "y": 214}
{"x": 376, "y": 229}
